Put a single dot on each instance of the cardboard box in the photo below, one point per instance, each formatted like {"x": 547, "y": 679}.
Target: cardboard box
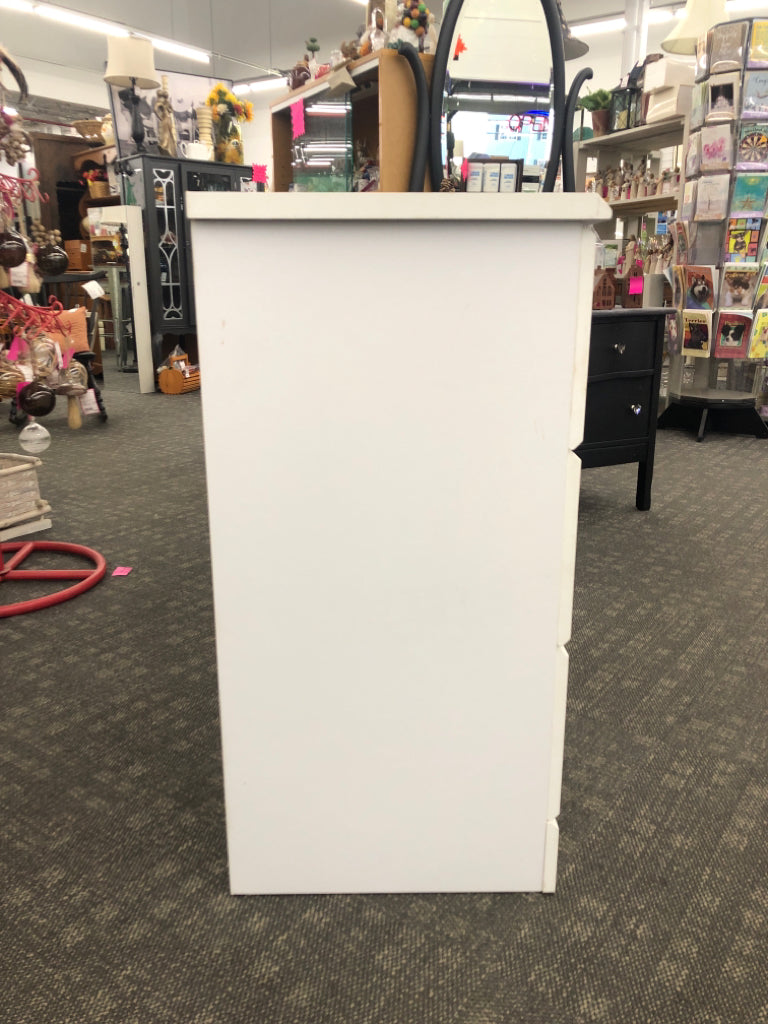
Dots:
{"x": 79, "y": 252}
{"x": 661, "y": 74}
{"x": 670, "y": 102}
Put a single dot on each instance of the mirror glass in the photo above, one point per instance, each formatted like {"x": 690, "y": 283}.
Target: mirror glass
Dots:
{"x": 496, "y": 99}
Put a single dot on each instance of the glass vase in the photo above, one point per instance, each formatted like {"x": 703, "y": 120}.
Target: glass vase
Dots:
{"x": 228, "y": 141}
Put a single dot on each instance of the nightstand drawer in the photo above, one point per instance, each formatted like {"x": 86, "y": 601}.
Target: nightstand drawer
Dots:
{"x": 621, "y": 345}
{"x": 618, "y": 409}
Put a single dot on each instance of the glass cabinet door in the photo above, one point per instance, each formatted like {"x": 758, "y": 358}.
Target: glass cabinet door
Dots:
{"x": 167, "y": 207}
{"x": 207, "y": 181}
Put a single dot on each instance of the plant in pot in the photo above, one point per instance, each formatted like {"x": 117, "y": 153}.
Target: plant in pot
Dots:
{"x": 599, "y": 105}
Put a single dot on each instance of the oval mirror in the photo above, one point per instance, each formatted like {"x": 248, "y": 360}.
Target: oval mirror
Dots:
{"x": 498, "y": 95}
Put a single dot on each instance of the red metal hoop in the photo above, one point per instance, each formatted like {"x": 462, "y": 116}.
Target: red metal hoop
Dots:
{"x": 20, "y": 550}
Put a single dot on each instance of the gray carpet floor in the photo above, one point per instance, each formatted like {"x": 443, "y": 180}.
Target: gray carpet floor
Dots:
{"x": 115, "y": 905}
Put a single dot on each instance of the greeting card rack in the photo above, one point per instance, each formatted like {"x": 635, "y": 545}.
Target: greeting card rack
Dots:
{"x": 720, "y": 280}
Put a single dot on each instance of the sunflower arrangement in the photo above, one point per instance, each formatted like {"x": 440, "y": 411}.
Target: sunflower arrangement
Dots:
{"x": 227, "y": 108}
{"x": 228, "y": 112}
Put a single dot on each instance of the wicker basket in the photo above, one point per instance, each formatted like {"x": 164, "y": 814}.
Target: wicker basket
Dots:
{"x": 98, "y": 189}
{"x": 89, "y": 129}
{"x": 20, "y": 500}
{"x": 173, "y": 381}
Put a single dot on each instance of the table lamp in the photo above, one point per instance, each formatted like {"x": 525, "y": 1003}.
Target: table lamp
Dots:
{"x": 698, "y": 18}
{"x": 131, "y": 63}
{"x": 572, "y": 47}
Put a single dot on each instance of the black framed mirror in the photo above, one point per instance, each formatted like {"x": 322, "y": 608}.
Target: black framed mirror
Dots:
{"x": 498, "y": 92}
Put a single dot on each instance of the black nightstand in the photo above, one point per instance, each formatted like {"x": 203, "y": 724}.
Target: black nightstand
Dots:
{"x": 624, "y": 376}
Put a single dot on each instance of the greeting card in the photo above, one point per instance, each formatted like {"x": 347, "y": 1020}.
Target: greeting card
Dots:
{"x": 755, "y": 100}
{"x": 750, "y": 194}
{"x": 739, "y": 285}
{"x": 712, "y": 197}
{"x": 681, "y": 246}
{"x": 758, "y": 343}
{"x": 761, "y": 295}
{"x": 699, "y": 287}
{"x": 727, "y": 52}
{"x": 673, "y": 334}
{"x": 699, "y": 101}
{"x": 716, "y": 147}
{"x": 697, "y": 332}
{"x": 752, "y": 147}
{"x": 723, "y": 97}
{"x": 758, "y": 45}
{"x": 693, "y": 155}
{"x": 702, "y": 55}
{"x": 688, "y": 205}
{"x": 742, "y": 240}
{"x": 732, "y": 335}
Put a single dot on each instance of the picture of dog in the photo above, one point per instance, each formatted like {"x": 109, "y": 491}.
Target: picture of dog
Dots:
{"x": 731, "y": 335}
{"x": 699, "y": 293}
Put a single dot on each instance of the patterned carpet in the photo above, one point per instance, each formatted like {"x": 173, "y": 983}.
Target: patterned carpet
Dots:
{"x": 114, "y": 883}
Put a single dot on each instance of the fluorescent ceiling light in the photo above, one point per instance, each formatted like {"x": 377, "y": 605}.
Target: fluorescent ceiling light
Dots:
{"x": 743, "y": 5}
{"x": 471, "y": 96}
{"x": 178, "y": 49}
{"x": 65, "y": 17}
{"x": 598, "y": 28}
{"x": 262, "y": 85}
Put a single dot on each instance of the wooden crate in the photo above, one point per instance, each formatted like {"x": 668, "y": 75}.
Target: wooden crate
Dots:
{"x": 22, "y": 510}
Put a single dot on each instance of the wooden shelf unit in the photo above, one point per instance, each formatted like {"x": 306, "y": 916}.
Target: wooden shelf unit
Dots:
{"x": 383, "y": 117}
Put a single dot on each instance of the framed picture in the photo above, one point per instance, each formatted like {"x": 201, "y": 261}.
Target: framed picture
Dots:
{"x": 187, "y": 92}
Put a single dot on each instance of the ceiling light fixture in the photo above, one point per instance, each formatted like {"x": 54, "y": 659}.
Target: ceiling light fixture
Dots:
{"x": 66, "y": 17}
{"x": 177, "y": 49}
{"x": 598, "y": 28}
{"x": 262, "y": 85}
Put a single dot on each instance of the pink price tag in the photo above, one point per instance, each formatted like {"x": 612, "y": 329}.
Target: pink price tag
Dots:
{"x": 297, "y": 118}
{"x": 260, "y": 174}
{"x": 636, "y": 285}
{"x": 122, "y": 570}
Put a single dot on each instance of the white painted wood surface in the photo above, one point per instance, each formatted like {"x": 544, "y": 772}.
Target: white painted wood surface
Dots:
{"x": 390, "y": 404}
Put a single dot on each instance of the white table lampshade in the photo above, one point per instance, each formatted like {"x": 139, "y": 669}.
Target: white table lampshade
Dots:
{"x": 130, "y": 60}
{"x": 698, "y": 18}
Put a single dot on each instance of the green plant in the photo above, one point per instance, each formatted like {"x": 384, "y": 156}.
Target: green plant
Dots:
{"x": 600, "y": 99}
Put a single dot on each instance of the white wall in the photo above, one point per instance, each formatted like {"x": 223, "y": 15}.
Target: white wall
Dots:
{"x": 604, "y": 58}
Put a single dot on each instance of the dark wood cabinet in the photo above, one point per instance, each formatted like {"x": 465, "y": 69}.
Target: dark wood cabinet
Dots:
{"x": 624, "y": 376}
{"x": 159, "y": 186}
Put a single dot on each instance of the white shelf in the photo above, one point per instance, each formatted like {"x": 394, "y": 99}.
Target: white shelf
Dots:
{"x": 649, "y": 204}
{"x": 659, "y": 135}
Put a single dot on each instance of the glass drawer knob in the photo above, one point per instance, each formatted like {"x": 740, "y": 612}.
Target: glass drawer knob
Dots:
{"x": 636, "y": 409}
{"x": 620, "y": 347}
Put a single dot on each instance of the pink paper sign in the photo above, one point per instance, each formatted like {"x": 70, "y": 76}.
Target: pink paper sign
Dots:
{"x": 636, "y": 286}
{"x": 297, "y": 118}
{"x": 122, "y": 570}
{"x": 260, "y": 174}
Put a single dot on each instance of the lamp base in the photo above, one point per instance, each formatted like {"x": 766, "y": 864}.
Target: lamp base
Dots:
{"x": 131, "y": 101}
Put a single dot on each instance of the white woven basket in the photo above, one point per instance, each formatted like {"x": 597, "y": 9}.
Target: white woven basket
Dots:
{"x": 20, "y": 499}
